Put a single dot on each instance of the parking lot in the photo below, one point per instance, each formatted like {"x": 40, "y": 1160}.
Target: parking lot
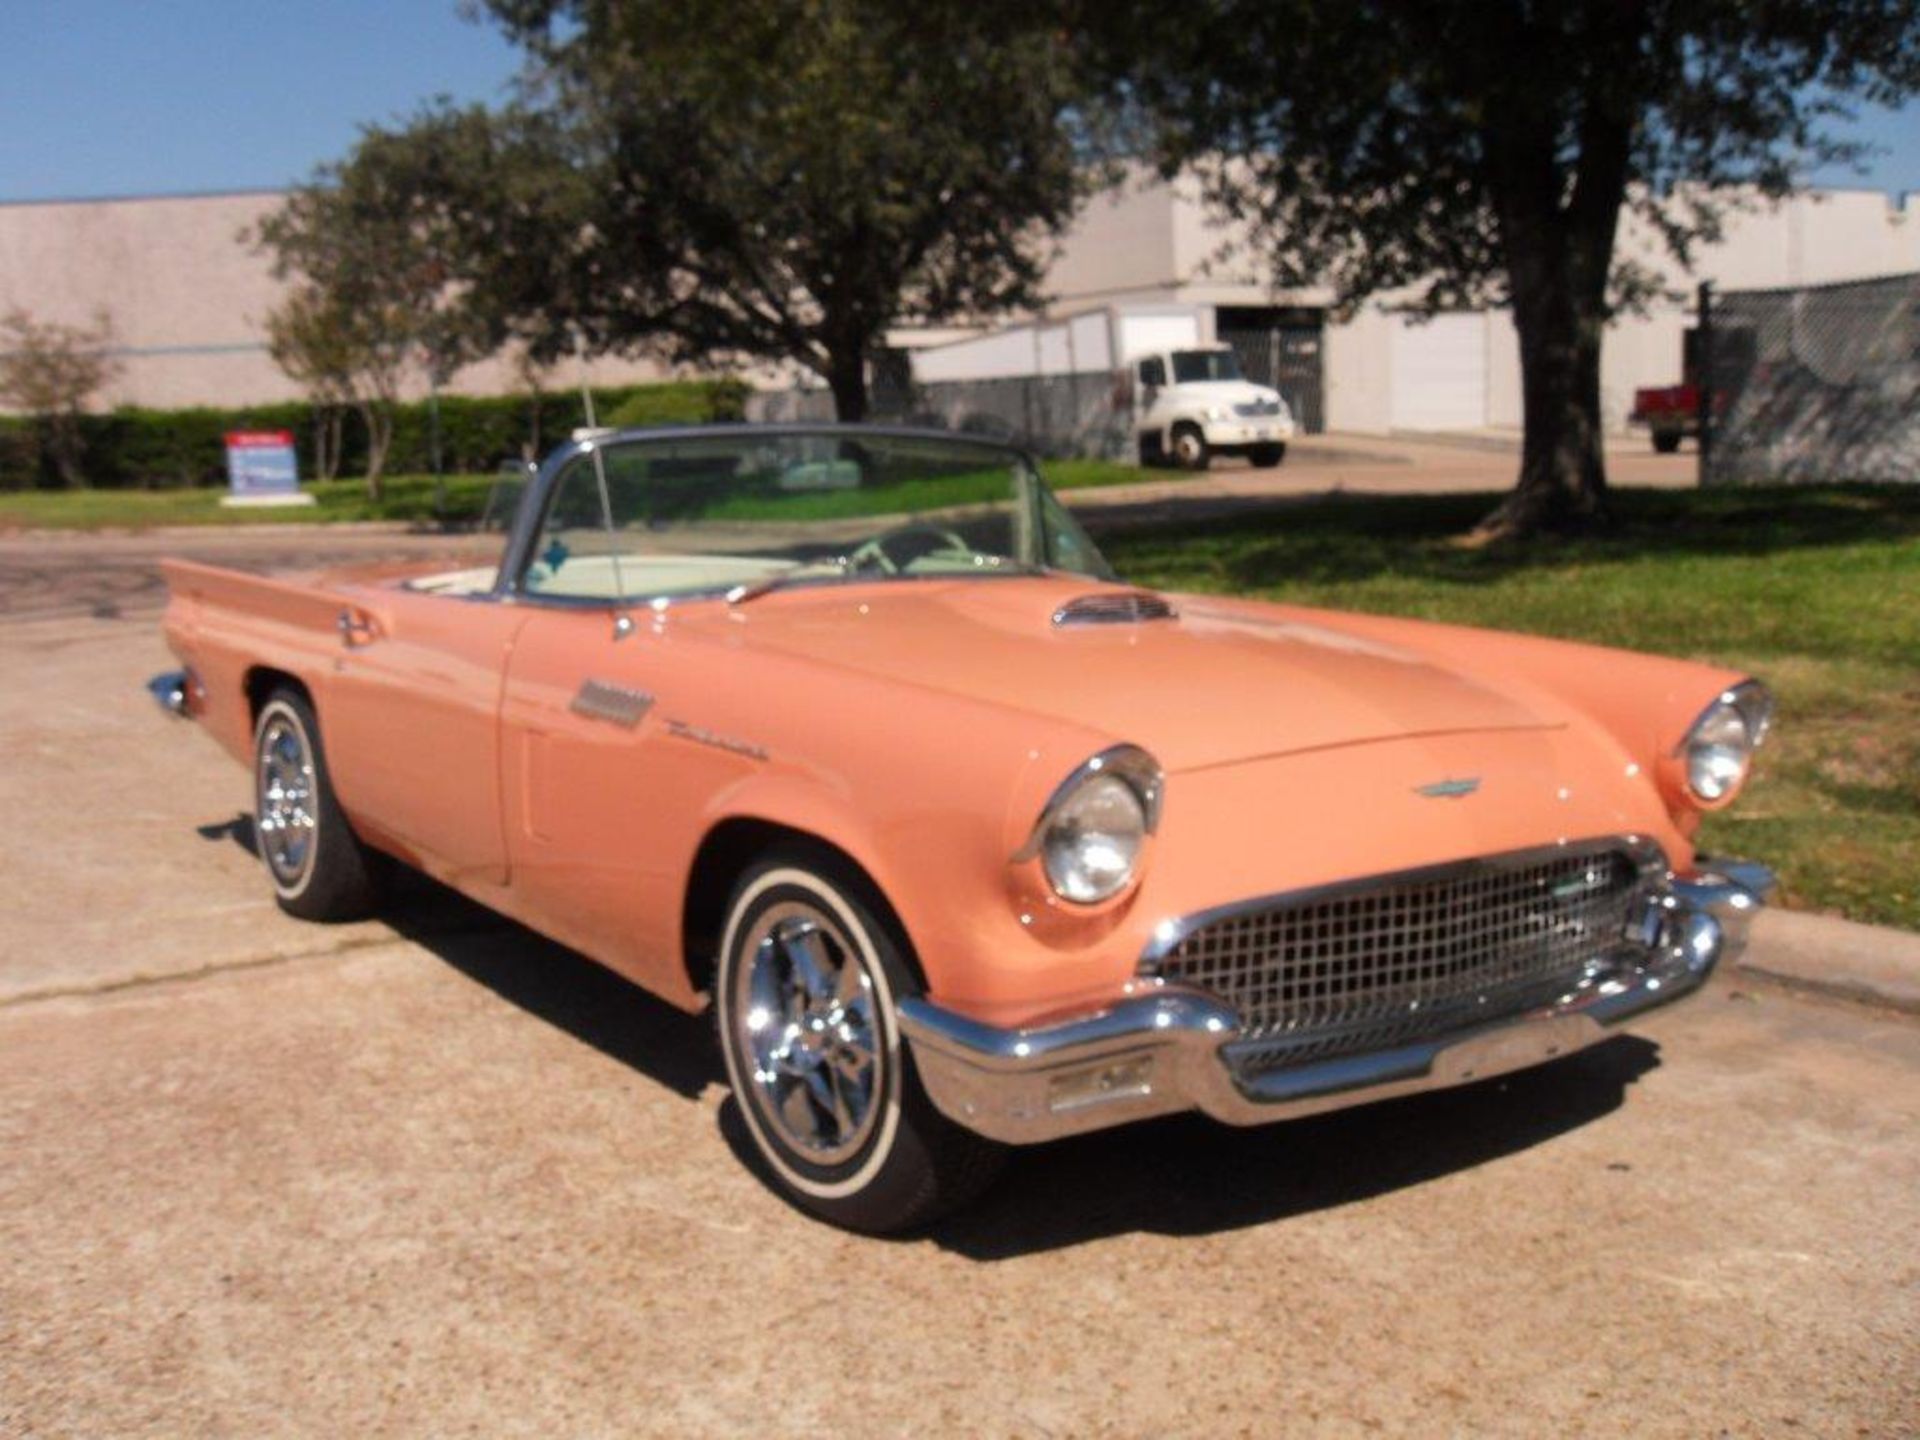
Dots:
{"x": 433, "y": 1174}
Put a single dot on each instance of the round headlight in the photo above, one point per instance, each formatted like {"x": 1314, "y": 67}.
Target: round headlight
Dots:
{"x": 1092, "y": 840}
{"x": 1718, "y": 753}
{"x": 1091, "y": 834}
{"x": 1719, "y": 748}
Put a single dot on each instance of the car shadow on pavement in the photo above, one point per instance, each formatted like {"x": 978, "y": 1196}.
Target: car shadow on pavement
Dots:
{"x": 1178, "y": 1176}
{"x": 1189, "y": 1176}
{"x": 560, "y": 986}
{"x": 543, "y": 978}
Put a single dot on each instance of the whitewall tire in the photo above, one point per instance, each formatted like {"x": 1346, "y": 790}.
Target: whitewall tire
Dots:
{"x": 805, "y": 1001}
{"x": 317, "y": 865}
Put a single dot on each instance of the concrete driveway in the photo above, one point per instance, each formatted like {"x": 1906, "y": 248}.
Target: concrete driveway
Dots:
{"x": 434, "y": 1175}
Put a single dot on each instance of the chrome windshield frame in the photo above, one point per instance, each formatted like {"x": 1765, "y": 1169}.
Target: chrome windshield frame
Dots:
{"x": 517, "y": 555}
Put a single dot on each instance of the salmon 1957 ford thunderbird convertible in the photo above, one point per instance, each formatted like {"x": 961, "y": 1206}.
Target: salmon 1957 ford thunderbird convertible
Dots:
{"x": 851, "y": 733}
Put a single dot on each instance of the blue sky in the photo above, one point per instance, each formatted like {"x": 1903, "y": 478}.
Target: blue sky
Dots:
{"x": 137, "y": 97}
{"x": 140, "y": 97}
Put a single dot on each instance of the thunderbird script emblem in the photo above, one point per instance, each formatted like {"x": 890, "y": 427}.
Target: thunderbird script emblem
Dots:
{"x": 1448, "y": 789}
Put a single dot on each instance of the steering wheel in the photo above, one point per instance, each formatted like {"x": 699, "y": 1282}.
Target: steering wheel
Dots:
{"x": 899, "y": 549}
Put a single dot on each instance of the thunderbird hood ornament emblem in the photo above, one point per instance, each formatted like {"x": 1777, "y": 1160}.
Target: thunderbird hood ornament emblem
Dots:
{"x": 1449, "y": 789}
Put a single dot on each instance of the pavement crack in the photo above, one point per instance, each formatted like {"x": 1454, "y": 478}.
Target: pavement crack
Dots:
{"x": 116, "y": 984}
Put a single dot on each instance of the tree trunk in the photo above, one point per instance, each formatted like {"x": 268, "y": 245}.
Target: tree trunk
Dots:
{"x": 327, "y": 424}
{"x": 64, "y": 446}
{"x": 847, "y": 378}
{"x": 1557, "y": 226}
{"x": 379, "y": 422}
{"x": 1563, "y": 481}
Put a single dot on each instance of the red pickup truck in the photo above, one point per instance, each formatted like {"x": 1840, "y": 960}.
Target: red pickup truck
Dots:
{"x": 1669, "y": 411}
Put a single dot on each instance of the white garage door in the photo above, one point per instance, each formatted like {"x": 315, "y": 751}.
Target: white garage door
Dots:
{"x": 1440, "y": 373}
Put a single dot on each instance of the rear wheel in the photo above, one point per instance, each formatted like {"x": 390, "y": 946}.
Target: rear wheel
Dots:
{"x": 1190, "y": 449}
{"x": 804, "y": 998}
{"x": 319, "y": 868}
{"x": 1666, "y": 441}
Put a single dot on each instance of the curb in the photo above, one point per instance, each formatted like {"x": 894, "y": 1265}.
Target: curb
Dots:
{"x": 1840, "y": 958}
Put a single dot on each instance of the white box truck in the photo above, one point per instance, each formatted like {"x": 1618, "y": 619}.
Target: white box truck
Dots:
{"x": 1185, "y": 396}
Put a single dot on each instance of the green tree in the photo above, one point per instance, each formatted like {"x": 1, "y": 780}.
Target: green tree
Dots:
{"x": 375, "y": 302}
{"x": 312, "y": 343}
{"x": 51, "y": 372}
{"x": 758, "y": 180}
{"x": 1483, "y": 152}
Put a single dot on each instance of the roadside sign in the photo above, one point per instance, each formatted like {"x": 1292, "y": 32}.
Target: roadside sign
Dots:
{"x": 261, "y": 469}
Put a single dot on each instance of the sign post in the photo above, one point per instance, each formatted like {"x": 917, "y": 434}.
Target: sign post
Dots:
{"x": 261, "y": 469}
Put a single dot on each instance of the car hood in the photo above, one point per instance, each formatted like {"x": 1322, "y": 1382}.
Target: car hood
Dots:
{"x": 1212, "y": 686}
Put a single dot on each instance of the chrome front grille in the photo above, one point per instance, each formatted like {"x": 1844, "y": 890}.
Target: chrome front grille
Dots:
{"x": 1257, "y": 407}
{"x": 1405, "y": 957}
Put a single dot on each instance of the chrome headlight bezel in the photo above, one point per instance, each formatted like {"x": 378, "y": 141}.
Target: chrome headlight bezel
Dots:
{"x": 1716, "y": 754}
{"x": 1061, "y": 834}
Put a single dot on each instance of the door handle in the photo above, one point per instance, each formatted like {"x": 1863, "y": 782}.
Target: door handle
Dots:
{"x": 354, "y": 628}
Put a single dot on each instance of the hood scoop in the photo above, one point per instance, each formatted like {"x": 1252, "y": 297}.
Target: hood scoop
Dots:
{"x": 1114, "y": 607}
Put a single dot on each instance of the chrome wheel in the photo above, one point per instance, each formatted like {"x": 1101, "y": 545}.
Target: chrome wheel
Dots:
{"x": 285, "y": 799}
{"x": 804, "y": 1021}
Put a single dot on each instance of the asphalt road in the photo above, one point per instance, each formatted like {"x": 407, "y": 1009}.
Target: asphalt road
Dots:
{"x": 433, "y": 1175}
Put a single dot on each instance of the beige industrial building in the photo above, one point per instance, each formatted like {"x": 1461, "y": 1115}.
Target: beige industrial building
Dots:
{"x": 1153, "y": 249}
{"x": 188, "y": 298}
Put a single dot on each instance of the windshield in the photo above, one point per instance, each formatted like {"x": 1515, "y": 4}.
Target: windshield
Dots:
{"x": 740, "y": 512}
{"x": 1192, "y": 365}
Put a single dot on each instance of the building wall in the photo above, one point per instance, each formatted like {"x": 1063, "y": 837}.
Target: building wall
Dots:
{"x": 1120, "y": 244}
{"x": 187, "y": 297}
{"x": 1153, "y": 242}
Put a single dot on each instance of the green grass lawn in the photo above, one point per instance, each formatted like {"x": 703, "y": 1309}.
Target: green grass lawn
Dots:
{"x": 408, "y": 498}
{"x": 412, "y": 498}
{"x": 1815, "y": 590}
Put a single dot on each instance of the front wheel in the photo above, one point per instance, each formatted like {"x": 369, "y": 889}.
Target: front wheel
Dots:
{"x": 1665, "y": 442}
{"x": 804, "y": 997}
{"x": 1190, "y": 448}
{"x": 1265, "y": 457}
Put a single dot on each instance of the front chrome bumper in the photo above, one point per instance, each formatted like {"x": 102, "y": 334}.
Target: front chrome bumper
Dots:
{"x": 1157, "y": 1051}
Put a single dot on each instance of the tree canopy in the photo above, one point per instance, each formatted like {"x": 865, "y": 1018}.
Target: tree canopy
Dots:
{"x": 748, "y": 180}
{"x": 373, "y": 247}
{"x": 51, "y": 372}
{"x": 1466, "y": 152}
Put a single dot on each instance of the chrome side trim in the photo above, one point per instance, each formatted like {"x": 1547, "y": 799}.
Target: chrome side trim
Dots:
{"x": 1160, "y": 1048}
{"x": 617, "y": 704}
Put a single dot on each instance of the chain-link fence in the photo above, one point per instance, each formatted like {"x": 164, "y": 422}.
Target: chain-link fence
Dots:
{"x": 1814, "y": 384}
{"x": 1052, "y": 415}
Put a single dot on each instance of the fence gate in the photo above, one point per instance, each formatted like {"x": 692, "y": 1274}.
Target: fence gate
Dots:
{"x": 1813, "y": 383}
{"x": 1282, "y": 348}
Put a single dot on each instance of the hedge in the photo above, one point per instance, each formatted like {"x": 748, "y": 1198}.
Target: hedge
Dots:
{"x": 159, "y": 449}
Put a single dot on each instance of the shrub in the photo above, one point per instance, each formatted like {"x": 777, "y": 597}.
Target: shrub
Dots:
{"x": 159, "y": 449}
